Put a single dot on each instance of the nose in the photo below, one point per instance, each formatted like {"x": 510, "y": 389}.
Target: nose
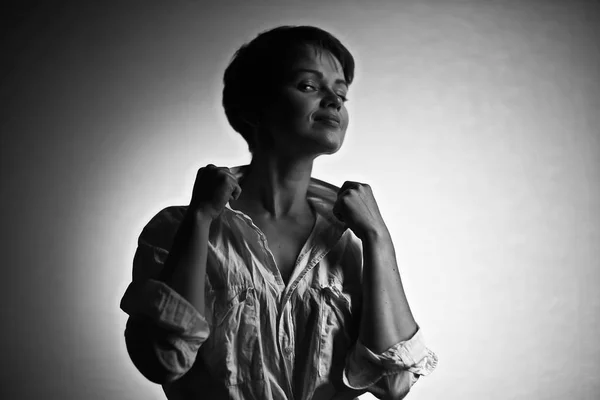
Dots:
{"x": 332, "y": 100}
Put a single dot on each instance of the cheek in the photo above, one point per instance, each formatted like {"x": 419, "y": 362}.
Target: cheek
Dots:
{"x": 299, "y": 106}
{"x": 345, "y": 117}
{"x": 289, "y": 104}
{"x": 291, "y": 112}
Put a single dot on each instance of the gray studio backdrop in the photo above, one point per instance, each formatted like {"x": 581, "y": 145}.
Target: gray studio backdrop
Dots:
{"x": 475, "y": 122}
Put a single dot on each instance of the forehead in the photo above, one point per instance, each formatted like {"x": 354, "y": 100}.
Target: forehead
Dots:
{"x": 313, "y": 57}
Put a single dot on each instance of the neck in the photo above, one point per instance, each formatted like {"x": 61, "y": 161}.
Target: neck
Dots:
{"x": 276, "y": 187}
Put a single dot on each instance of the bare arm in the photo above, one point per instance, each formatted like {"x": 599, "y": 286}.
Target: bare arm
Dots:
{"x": 386, "y": 317}
{"x": 163, "y": 332}
{"x": 185, "y": 267}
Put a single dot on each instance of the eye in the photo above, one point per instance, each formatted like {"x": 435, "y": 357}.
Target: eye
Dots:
{"x": 307, "y": 87}
{"x": 310, "y": 87}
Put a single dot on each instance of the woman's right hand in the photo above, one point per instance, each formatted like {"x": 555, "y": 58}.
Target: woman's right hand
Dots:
{"x": 213, "y": 188}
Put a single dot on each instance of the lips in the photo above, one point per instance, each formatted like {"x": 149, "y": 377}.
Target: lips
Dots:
{"x": 330, "y": 119}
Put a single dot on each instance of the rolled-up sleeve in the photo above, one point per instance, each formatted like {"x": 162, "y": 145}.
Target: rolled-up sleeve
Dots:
{"x": 163, "y": 328}
{"x": 392, "y": 373}
{"x": 164, "y": 331}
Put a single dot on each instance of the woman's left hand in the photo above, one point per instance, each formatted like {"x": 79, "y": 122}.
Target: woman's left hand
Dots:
{"x": 357, "y": 208}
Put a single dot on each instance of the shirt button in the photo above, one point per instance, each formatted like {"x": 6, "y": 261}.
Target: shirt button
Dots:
{"x": 288, "y": 351}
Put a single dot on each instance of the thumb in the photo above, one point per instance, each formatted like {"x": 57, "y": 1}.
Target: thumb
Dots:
{"x": 336, "y": 211}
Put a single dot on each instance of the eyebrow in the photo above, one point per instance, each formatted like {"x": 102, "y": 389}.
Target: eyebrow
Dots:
{"x": 320, "y": 75}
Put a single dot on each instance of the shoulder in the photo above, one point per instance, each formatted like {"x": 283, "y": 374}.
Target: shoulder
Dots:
{"x": 162, "y": 227}
{"x": 155, "y": 241}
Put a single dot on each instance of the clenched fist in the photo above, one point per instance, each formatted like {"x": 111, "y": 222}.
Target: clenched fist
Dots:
{"x": 213, "y": 188}
{"x": 357, "y": 208}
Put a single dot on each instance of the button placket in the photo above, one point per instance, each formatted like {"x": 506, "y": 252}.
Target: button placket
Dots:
{"x": 286, "y": 345}
{"x": 285, "y": 348}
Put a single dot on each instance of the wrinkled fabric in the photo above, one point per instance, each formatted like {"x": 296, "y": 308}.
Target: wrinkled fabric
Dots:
{"x": 258, "y": 338}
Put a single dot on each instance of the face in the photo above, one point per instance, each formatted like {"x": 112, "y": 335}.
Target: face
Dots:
{"x": 307, "y": 115}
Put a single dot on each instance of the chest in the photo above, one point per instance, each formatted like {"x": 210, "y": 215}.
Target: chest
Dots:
{"x": 285, "y": 240}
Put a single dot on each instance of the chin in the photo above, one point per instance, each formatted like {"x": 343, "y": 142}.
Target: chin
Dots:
{"x": 328, "y": 144}
{"x": 331, "y": 150}
{"x": 315, "y": 142}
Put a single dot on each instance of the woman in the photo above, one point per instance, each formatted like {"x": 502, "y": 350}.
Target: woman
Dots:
{"x": 272, "y": 284}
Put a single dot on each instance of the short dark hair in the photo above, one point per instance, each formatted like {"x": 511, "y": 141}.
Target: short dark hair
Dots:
{"x": 266, "y": 56}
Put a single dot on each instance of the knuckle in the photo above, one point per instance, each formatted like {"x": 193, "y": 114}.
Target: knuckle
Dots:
{"x": 221, "y": 178}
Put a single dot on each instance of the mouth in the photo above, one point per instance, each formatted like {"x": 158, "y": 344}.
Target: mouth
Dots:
{"x": 331, "y": 121}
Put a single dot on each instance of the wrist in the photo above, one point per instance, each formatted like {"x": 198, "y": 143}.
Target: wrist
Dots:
{"x": 376, "y": 235}
{"x": 198, "y": 216}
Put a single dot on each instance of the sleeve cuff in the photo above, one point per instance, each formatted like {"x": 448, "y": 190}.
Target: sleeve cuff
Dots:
{"x": 364, "y": 367}
{"x": 155, "y": 300}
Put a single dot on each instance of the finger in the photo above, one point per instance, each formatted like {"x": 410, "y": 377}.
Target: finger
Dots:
{"x": 237, "y": 191}
{"x": 232, "y": 182}
{"x": 345, "y": 186}
{"x": 232, "y": 177}
{"x": 227, "y": 172}
{"x": 337, "y": 213}
{"x": 348, "y": 185}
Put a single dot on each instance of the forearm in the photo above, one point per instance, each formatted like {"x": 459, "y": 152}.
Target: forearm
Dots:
{"x": 185, "y": 267}
{"x": 386, "y": 317}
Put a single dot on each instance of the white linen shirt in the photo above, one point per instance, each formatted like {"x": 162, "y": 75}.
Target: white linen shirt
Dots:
{"x": 258, "y": 338}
